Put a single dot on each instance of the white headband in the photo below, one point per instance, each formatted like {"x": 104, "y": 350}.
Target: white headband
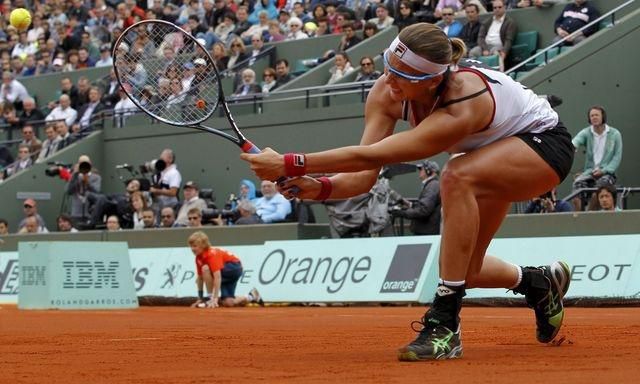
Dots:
{"x": 416, "y": 62}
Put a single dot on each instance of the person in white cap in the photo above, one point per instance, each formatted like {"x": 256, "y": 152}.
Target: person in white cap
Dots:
{"x": 510, "y": 146}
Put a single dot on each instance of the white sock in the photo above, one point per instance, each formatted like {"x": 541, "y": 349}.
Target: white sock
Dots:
{"x": 519, "y": 277}
{"x": 452, "y": 284}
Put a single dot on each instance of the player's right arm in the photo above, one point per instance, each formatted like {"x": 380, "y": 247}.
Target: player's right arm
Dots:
{"x": 380, "y": 116}
{"x": 199, "y": 285}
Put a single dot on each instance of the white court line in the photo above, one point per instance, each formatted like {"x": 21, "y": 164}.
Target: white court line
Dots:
{"x": 137, "y": 339}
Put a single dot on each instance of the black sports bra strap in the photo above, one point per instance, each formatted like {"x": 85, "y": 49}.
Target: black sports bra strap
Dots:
{"x": 446, "y": 104}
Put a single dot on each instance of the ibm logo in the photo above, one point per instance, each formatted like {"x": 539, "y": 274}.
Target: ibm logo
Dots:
{"x": 90, "y": 274}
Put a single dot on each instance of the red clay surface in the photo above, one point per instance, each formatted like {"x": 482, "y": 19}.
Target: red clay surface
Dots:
{"x": 278, "y": 344}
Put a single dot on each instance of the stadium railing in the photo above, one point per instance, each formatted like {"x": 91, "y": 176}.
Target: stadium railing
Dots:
{"x": 543, "y": 55}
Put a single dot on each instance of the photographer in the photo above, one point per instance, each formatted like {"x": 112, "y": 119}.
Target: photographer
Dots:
{"x": 84, "y": 182}
{"x": 191, "y": 200}
{"x": 548, "y": 203}
{"x": 167, "y": 183}
{"x": 425, "y": 212}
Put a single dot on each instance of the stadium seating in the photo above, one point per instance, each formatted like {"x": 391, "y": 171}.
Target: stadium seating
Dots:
{"x": 523, "y": 46}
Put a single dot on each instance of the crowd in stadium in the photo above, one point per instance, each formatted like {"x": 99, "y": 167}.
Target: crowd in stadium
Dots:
{"x": 66, "y": 36}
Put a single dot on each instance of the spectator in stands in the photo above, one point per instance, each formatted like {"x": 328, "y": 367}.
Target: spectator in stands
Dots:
{"x": 456, "y": 5}
{"x": 257, "y": 45}
{"x": 105, "y": 59}
{"x": 168, "y": 218}
{"x": 248, "y": 86}
{"x": 50, "y": 145}
{"x": 603, "y": 146}
{"x": 12, "y": 90}
{"x": 92, "y": 110}
{"x": 341, "y": 68}
{"x": 63, "y": 111}
{"x": 30, "y": 210}
{"x": 574, "y": 16}
{"x": 10, "y": 116}
{"x": 268, "y": 79}
{"x": 257, "y": 29}
{"x": 84, "y": 182}
{"x": 110, "y": 90}
{"x": 87, "y": 44}
{"x": 138, "y": 205}
{"x": 295, "y": 29}
{"x": 282, "y": 72}
{"x": 125, "y": 107}
{"x": 471, "y": 28}
{"x": 382, "y": 19}
{"x": 242, "y": 20}
{"x": 450, "y": 26}
{"x": 194, "y": 216}
{"x": 113, "y": 223}
{"x": 29, "y": 66}
{"x": 369, "y": 30}
{"x": 23, "y": 47}
{"x": 224, "y": 30}
{"x": 66, "y": 138}
{"x": 548, "y": 203}
{"x": 300, "y": 12}
{"x": 84, "y": 86}
{"x": 149, "y": 218}
{"x": 64, "y": 224}
{"x": 266, "y": 5}
{"x": 84, "y": 61}
{"x": 237, "y": 53}
{"x": 219, "y": 55}
{"x": 496, "y": 34}
{"x": 405, "y": 16}
{"x": 214, "y": 13}
{"x": 191, "y": 200}
{"x": 22, "y": 162}
{"x": 4, "y": 227}
{"x": 605, "y": 199}
{"x": 31, "y": 226}
{"x": 349, "y": 37}
{"x": 275, "y": 32}
{"x": 29, "y": 139}
{"x": 247, "y": 212}
{"x": 425, "y": 212}
{"x": 30, "y": 113}
{"x": 368, "y": 70}
{"x": 247, "y": 190}
{"x": 165, "y": 193}
{"x": 272, "y": 206}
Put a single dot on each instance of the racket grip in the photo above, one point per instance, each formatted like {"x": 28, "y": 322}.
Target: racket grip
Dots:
{"x": 249, "y": 147}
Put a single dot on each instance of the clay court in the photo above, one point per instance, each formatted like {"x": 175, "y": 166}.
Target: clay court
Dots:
{"x": 298, "y": 344}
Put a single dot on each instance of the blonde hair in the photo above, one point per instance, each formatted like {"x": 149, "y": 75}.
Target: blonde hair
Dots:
{"x": 430, "y": 42}
{"x": 199, "y": 239}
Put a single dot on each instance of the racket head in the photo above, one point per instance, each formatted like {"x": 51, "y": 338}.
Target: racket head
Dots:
{"x": 167, "y": 73}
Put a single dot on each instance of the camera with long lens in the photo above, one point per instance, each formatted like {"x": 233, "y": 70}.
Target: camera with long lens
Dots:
{"x": 54, "y": 169}
{"x": 84, "y": 167}
{"x": 153, "y": 166}
{"x": 226, "y": 213}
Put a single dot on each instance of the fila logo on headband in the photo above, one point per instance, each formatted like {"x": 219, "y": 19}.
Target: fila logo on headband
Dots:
{"x": 400, "y": 49}
{"x": 298, "y": 160}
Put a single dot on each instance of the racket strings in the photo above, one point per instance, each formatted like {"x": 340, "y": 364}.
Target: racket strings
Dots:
{"x": 164, "y": 71}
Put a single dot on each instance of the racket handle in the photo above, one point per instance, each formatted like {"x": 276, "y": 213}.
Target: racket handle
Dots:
{"x": 249, "y": 147}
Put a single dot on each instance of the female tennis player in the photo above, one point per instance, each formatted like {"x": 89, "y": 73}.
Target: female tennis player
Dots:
{"x": 508, "y": 145}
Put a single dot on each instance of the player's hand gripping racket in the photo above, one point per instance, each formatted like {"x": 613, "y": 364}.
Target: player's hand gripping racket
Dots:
{"x": 171, "y": 77}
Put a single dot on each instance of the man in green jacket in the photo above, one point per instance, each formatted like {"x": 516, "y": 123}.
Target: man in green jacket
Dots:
{"x": 603, "y": 145}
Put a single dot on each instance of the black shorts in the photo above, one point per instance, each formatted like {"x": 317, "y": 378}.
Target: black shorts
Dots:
{"x": 554, "y": 146}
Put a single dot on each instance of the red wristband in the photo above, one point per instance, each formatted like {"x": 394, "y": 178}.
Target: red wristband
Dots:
{"x": 325, "y": 191}
{"x": 295, "y": 164}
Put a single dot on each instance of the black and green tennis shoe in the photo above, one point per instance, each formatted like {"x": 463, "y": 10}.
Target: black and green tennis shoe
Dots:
{"x": 436, "y": 343}
{"x": 545, "y": 291}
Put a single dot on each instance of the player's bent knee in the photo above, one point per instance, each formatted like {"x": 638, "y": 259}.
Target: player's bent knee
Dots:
{"x": 453, "y": 178}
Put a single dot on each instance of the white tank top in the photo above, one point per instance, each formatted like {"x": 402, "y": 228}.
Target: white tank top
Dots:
{"x": 516, "y": 110}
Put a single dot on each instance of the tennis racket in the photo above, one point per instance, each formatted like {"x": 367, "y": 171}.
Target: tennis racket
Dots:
{"x": 170, "y": 76}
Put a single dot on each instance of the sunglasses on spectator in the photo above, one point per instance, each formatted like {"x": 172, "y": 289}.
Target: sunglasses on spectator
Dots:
{"x": 194, "y": 218}
{"x": 404, "y": 8}
{"x": 28, "y": 206}
{"x": 267, "y": 75}
{"x": 447, "y": 14}
{"x": 365, "y": 64}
